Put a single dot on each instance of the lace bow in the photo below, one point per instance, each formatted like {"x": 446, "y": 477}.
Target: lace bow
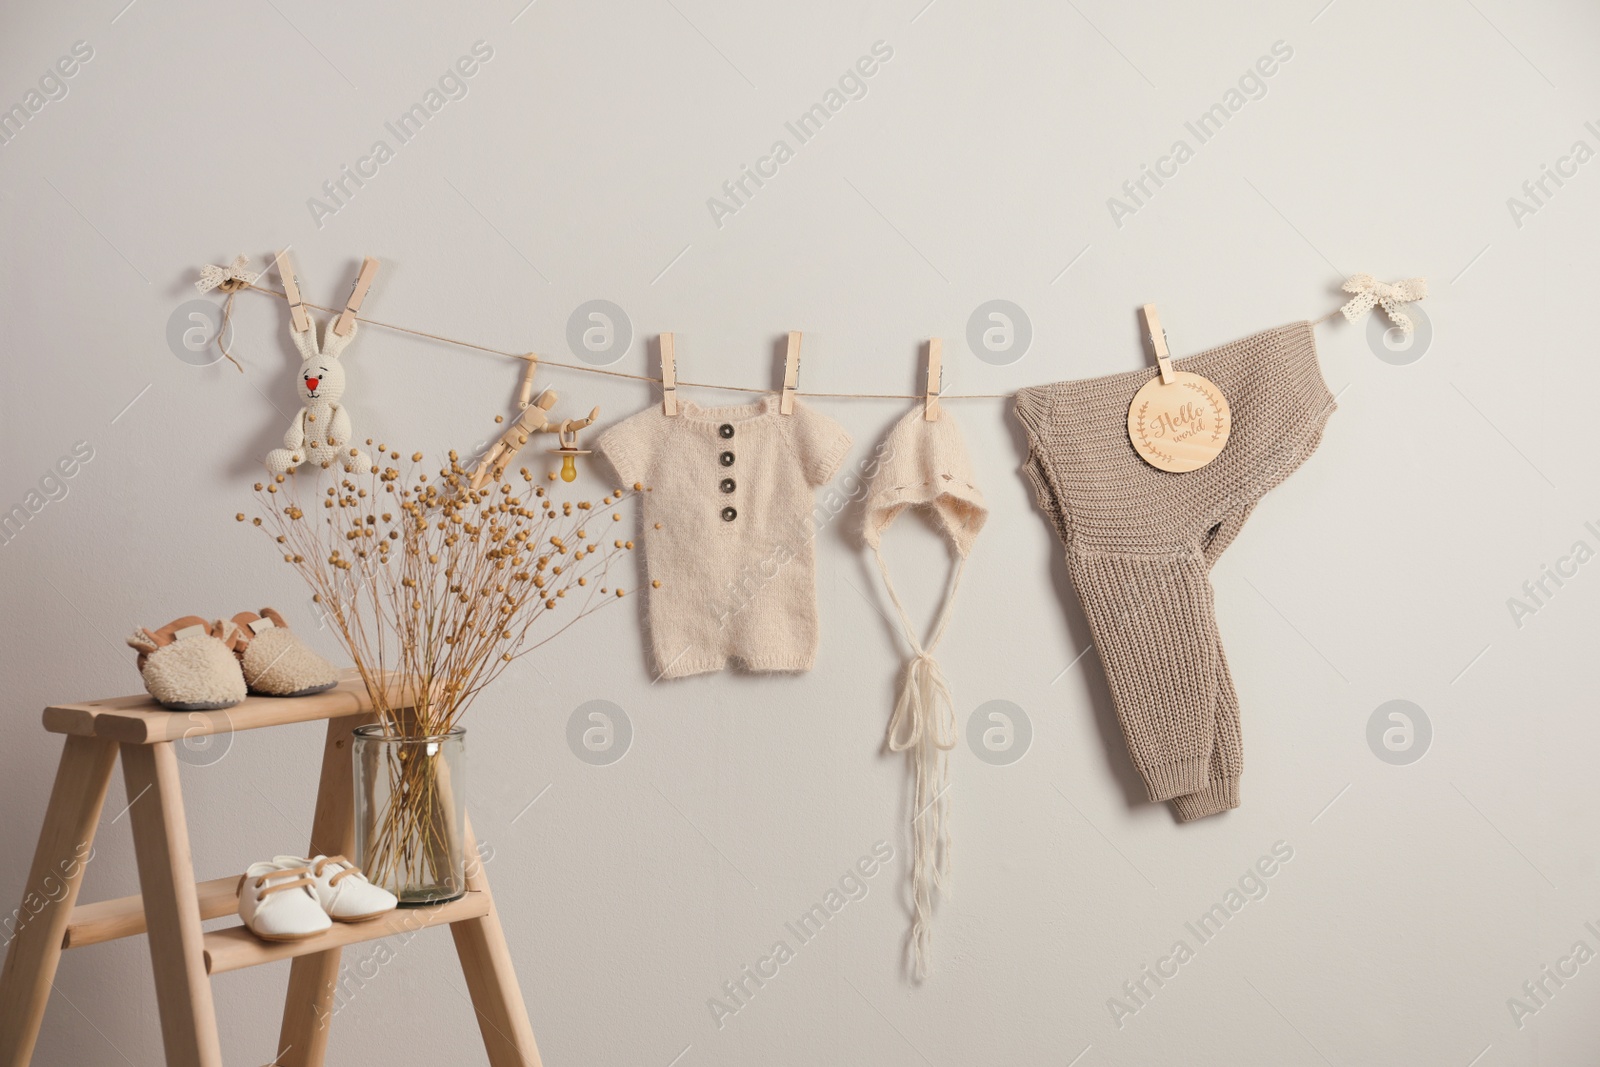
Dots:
{"x": 227, "y": 278}
{"x": 1392, "y": 298}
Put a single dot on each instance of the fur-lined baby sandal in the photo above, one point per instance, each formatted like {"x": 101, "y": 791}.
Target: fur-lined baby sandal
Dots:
{"x": 189, "y": 665}
{"x": 275, "y": 661}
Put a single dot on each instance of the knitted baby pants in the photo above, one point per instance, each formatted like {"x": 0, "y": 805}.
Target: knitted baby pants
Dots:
{"x": 1140, "y": 544}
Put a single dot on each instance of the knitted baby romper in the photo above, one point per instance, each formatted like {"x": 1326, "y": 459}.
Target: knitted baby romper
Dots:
{"x": 1140, "y": 543}
{"x": 733, "y": 492}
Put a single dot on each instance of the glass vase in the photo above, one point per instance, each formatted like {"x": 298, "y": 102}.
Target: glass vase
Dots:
{"x": 410, "y": 813}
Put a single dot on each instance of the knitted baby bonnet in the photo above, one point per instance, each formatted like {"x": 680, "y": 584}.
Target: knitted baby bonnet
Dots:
{"x": 924, "y": 466}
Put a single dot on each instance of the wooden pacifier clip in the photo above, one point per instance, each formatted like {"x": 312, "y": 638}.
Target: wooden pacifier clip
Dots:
{"x": 1178, "y": 421}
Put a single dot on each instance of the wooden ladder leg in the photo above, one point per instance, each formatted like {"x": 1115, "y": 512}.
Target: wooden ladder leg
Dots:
{"x": 35, "y": 929}
{"x": 171, "y": 905}
{"x": 313, "y": 979}
{"x": 491, "y": 978}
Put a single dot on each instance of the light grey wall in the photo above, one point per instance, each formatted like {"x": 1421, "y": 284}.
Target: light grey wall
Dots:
{"x": 977, "y": 166}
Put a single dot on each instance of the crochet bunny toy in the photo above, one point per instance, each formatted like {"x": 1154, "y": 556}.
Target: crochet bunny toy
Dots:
{"x": 321, "y": 433}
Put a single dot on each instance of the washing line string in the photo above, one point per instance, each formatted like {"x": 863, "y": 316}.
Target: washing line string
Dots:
{"x": 1369, "y": 293}
{"x": 543, "y": 362}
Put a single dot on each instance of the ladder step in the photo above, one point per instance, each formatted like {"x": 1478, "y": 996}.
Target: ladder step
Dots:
{"x": 236, "y": 947}
{"x": 140, "y": 720}
{"x": 108, "y": 920}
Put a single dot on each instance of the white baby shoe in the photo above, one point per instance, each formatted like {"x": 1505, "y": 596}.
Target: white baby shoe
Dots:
{"x": 280, "y": 903}
{"x": 341, "y": 888}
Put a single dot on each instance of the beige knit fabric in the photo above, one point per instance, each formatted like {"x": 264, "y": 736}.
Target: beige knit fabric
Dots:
{"x": 733, "y": 491}
{"x": 924, "y": 466}
{"x": 1140, "y": 544}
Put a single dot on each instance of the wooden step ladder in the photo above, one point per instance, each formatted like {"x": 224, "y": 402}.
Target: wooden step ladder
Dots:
{"x": 173, "y": 905}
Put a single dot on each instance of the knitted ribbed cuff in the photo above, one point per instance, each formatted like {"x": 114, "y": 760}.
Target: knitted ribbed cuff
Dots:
{"x": 1167, "y": 780}
{"x": 619, "y": 451}
{"x": 1218, "y": 796}
{"x": 829, "y": 462}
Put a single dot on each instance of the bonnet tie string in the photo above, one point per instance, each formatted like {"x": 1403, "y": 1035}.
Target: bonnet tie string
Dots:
{"x": 924, "y": 727}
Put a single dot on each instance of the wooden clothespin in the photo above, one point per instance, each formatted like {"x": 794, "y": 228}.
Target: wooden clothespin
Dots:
{"x": 1158, "y": 341}
{"x": 930, "y": 410}
{"x": 1179, "y": 420}
{"x": 291, "y": 289}
{"x": 669, "y": 377}
{"x": 358, "y": 293}
{"x": 791, "y": 374}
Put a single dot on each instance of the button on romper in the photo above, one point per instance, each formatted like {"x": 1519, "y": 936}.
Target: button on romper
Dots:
{"x": 733, "y": 491}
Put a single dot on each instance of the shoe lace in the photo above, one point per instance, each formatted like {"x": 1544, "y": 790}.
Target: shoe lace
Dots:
{"x": 349, "y": 869}
{"x": 296, "y": 877}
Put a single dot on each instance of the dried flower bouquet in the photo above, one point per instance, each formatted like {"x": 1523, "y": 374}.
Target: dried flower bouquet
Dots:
{"x": 434, "y": 588}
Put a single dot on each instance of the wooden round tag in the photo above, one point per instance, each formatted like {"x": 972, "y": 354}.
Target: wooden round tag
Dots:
{"x": 1179, "y": 426}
